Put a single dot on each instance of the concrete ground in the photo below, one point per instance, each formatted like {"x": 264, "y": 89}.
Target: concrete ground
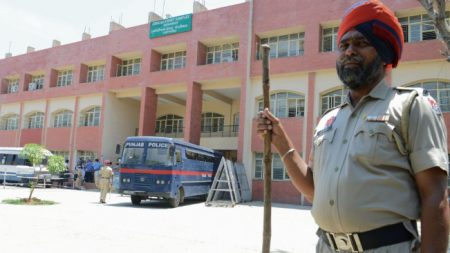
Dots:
{"x": 78, "y": 223}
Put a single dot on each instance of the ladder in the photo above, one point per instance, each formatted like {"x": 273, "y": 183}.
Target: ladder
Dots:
{"x": 244, "y": 188}
{"x": 226, "y": 189}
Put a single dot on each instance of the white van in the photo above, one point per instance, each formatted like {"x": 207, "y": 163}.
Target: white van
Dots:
{"x": 17, "y": 170}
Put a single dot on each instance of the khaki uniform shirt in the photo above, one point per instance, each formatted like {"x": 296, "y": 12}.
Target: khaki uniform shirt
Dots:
{"x": 361, "y": 180}
{"x": 105, "y": 176}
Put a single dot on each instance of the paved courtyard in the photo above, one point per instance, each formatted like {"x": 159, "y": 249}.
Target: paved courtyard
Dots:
{"x": 79, "y": 224}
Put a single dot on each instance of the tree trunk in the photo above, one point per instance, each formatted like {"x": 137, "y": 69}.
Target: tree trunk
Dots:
{"x": 436, "y": 11}
{"x": 33, "y": 184}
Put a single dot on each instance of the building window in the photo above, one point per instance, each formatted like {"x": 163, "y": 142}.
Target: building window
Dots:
{"x": 278, "y": 170}
{"x": 285, "y": 105}
{"x": 329, "y": 36}
{"x": 37, "y": 83}
{"x": 169, "y": 124}
{"x": 96, "y": 73}
{"x": 10, "y": 122}
{"x": 285, "y": 45}
{"x": 173, "y": 61}
{"x": 64, "y": 78}
{"x": 13, "y": 86}
{"x": 91, "y": 117}
{"x": 212, "y": 122}
{"x": 222, "y": 53}
{"x": 418, "y": 27}
{"x": 439, "y": 90}
{"x": 36, "y": 120}
{"x": 63, "y": 119}
{"x": 86, "y": 155}
{"x": 332, "y": 99}
{"x": 236, "y": 123}
{"x": 130, "y": 67}
{"x": 64, "y": 154}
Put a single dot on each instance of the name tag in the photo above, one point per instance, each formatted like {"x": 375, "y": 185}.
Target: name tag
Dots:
{"x": 377, "y": 118}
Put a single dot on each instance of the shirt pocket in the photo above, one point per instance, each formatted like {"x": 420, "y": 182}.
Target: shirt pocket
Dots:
{"x": 322, "y": 147}
{"x": 373, "y": 141}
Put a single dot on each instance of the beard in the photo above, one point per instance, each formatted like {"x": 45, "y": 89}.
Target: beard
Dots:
{"x": 362, "y": 75}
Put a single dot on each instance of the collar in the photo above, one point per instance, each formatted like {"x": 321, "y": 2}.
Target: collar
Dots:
{"x": 380, "y": 91}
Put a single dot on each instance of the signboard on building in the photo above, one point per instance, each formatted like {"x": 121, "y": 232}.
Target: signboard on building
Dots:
{"x": 170, "y": 26}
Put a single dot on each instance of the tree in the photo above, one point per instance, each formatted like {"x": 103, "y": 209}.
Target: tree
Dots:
{"x": 56, "y": 164}
{"x": 35, "y": 154}
{"x": 436, "y": 11}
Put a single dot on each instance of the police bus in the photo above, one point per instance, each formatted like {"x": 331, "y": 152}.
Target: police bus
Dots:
{"x": 165, "y": 168}
{"x": 14, "y": 169}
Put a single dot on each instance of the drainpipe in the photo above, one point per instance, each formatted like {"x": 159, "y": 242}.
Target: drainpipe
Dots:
{"x": 247, "y": 157}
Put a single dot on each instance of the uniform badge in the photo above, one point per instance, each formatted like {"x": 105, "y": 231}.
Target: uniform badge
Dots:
{"x": 328, "y": 125}
{"x": 377, "y": 118}
{"x": 434, "y": 105}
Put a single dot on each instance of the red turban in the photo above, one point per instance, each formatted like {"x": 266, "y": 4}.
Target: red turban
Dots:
{"x": 379, "y": 25}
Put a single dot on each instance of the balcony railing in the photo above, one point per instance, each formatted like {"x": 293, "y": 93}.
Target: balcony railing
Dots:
{"x": 207, "y": 131}
{"x": 220, "y": 131}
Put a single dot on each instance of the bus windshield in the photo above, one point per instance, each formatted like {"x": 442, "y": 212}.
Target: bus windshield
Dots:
{"x": 133, "y": 155}
{"x": 159, "y": 155}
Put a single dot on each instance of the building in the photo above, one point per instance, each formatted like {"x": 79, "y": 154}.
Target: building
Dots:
{"x": 201, "y": 83}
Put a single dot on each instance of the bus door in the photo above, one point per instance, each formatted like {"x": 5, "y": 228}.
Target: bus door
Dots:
{"x": 178, "y": 165}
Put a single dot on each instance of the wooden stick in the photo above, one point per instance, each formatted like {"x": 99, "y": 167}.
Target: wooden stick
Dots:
{"x": 267, "y": 231}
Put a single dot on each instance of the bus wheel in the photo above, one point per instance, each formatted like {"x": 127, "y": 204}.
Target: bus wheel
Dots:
{"x": 136, "y": 200}
{"x": 174, "y": 202}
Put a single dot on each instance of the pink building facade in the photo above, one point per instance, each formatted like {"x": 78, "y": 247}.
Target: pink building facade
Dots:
{"x": 82, "y": 100}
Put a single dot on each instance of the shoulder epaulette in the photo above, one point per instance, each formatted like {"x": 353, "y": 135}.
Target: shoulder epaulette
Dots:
{"x": 410, "y": 89}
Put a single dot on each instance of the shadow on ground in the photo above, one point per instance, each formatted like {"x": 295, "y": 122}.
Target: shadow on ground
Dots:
{"x": 157, "y": 204}
{"x": 278, "y": 205}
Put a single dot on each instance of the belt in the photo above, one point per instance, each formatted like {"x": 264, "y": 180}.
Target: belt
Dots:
{"x": 359, "y": 242}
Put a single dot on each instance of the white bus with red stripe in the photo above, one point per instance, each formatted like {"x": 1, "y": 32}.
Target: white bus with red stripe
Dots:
{"x": 165, "y": 168}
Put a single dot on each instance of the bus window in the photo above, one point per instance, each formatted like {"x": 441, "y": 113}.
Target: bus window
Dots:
{"x": 133, "y": 155}
{"x": 178, "y": 155}
{"x": 158, "y": 156}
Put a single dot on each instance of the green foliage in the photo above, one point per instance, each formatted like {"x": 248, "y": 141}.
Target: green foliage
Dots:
{"x": 33, "y": 201}
{"x": 33, "y": 152}
{"x": 56, "y": 164}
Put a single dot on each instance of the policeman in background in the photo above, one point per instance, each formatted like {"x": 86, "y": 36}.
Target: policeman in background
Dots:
{"x": 105, "y": 180}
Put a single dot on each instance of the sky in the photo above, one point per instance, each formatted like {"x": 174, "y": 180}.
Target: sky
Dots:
{"x": 37, "y": 23}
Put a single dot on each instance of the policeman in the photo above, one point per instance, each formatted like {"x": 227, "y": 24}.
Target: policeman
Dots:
{"x": 105, "y": 180}
{"x": 369, "y": 181}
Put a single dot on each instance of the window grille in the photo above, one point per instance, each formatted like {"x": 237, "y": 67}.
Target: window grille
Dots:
{"x": 278, "y": 170}
{"x": 169, "y": 123}
{"x": 37, "y": 83}
{"x": 285, "y": 105}
{"x": 13, "y": 86}
{"x": 222, "y": 53}
{"x": 173, "y": 61}
{"x": 86, "y": 155}
{"x": 285, "y": 45}
{"x": 91, "y": 117}
{"x": 439, "y": 90}
{"x": 63, "y": 119}
{"x": 329, "y": 36}
{"x": 332, "y": 99}
{"x": 64, "y": 78}
{"x": 36, "y": 120}
{"x": 96, "y": 73}
{"x": 419, "y": 27}
{"x": 212, "y": 122}
{"x": 10, "y": 122}
{"x": 130, "y": 67}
